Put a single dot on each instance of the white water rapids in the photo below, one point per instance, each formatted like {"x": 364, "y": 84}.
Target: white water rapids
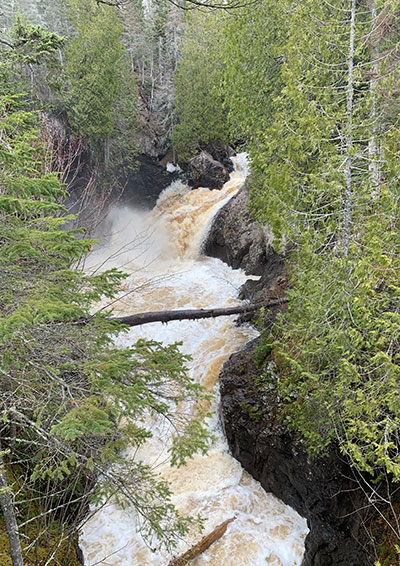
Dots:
{"x": 161, "y": 252}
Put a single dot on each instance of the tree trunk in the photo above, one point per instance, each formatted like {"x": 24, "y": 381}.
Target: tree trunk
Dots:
{"x": 349, "y": 133}
{"x": 373, "y": 144}
{"x": 7, "y": 508}
{"x": 203, "y": 545}
{"x": 191, "y": 314}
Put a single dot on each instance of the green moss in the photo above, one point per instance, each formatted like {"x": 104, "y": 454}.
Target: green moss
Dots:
{"x": 386, "y": 540}
{"x": 5, "y": 559}
{"x": 54, "y": 534}
{"x": 255, "y": 413}
{"x": 41, "y": 552}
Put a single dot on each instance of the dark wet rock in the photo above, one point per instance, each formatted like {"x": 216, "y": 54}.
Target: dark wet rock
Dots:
{"x": 238, "y": 240}
{"x": 145, "y": 184}
{"x": 169, "y": 157}
{"x": 270, "y": 286}
{"x": 323, "y": 490}
{"x": 79, "y": 554}
{"x": 204, "y": 171}
{"x": 223, "y": 154}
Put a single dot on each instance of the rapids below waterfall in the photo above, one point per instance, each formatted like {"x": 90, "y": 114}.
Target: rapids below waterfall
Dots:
{"x": 161, "y": 252}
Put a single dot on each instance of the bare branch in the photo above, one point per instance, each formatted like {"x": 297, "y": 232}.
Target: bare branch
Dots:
{"x": 7, "y": 43}
{"x": 193, "y": 4}
{"x": 191, "y": 314}
{"x": 115, "y": 4}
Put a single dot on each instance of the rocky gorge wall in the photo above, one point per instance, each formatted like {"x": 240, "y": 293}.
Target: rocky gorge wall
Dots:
{"x": 323, "y": 490}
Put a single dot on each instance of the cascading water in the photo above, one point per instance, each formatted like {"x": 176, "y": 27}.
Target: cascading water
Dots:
{"x": 161, "y": 253}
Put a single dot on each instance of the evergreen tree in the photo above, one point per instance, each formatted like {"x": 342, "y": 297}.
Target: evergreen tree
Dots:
{"x": 70, "y": 402}
{"x": 252, "y": 52}
{"x": 102, "y": 98}
{"x": 316, "y": 162}
{"x": 324, "y": 151}
{"x": 200, "y": 113}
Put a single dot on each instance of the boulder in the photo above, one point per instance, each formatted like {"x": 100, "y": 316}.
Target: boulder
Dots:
{"x": 205, "y": 171}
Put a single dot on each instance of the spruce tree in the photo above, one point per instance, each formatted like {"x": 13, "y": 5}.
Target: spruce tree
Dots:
{"x": 200, "y": 112}
{"x": 71, "y": 403}
{"x": 101, "y": 90}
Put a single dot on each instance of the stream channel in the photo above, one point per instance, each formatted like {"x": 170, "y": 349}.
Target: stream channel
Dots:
{"x": 161, "y": 252}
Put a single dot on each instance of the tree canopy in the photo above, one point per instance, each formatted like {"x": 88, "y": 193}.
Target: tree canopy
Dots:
{"x": 200, "y": 113}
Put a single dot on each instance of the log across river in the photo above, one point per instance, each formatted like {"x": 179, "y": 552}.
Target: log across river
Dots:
{"x": 191, "y": 314}
{"x": 161, "y": 252}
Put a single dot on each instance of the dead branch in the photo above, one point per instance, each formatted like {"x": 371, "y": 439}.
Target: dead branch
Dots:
{"x": 7, "y": 43}
{"x": 191, "y": 314}
{"x": 203, "y": 545}
{"x": 193, "y": 4}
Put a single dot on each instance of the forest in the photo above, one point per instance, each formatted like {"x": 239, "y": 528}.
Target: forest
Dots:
{"x": 89, "y": 89}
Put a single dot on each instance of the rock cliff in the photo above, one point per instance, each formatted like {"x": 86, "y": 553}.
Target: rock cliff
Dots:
{"x": 323, "y": 490}
{"x": 238, "y": 240}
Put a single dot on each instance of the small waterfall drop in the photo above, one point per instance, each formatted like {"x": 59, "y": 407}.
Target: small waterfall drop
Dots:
{"x": 161, "y": 253}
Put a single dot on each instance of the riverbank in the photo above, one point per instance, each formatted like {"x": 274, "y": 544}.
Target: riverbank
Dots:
{"x": 326, "y": 490}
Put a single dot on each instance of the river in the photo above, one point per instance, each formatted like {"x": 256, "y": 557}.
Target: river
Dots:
{"x": 161, "y": 252}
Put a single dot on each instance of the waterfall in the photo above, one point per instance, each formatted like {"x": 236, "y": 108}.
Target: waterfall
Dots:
{"x": 161, "y": 252}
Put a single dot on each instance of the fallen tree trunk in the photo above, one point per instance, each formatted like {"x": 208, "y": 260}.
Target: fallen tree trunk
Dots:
{"x": 203, "y": 545}
{"x": 191, "y": 314}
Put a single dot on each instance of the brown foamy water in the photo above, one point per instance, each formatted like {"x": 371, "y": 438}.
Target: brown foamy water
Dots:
{"x": 161, "y": 253}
